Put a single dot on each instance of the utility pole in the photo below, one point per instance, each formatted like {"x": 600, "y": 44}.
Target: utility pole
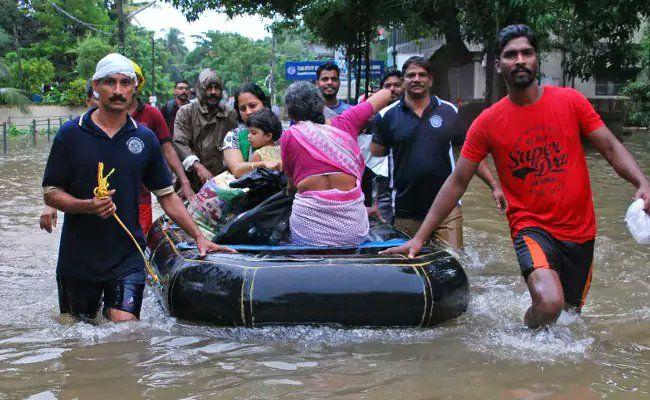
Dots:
{"x": 121, "y": 26}
{"x": 393, "y": 39}
{"x": 153, "y": 65}
{"x": 20, "y": 65}
{"x": 348, "y": 63}
{"x": 272, "y": 63}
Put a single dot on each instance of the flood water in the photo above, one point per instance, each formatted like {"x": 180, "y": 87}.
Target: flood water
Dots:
{"x": 486, "y": 353}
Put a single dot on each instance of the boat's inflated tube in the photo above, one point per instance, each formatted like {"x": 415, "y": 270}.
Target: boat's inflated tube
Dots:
{"x": 280, "y": 285}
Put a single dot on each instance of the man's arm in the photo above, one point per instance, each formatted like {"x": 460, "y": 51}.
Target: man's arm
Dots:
{"x": 486, "y": 176}
{"x": 379, "y": 100}
{"x": 175, "y": 164}
{"x": 173, "y": 207}
{"x": 63, "y": 201}
{"x": 622, "y": 161}
{"x": 445, "y": 201}
{"x": 183, "y": 140}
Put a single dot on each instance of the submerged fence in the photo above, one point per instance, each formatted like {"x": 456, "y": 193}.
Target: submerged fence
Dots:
{"x": 32, "y": 128}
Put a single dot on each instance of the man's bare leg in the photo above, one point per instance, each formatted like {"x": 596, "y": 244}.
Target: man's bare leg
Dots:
{"x": 116, "y": 315}
{"x": 547, "y": 296}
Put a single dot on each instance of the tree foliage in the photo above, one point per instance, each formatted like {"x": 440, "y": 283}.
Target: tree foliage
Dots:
{"x": 35, "y": 73}
{"x": 60, "y": 34}
{"x": 594, "y": 35}
{"x": 639, "y": 91}
{"x": 89, "y": 51}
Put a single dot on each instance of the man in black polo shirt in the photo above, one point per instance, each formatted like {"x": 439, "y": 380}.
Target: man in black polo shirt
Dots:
{"x": 96, "y": 257}
{"x": 421, "y": 129}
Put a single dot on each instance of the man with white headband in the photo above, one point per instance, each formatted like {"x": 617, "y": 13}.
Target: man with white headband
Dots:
{"x": 96, "y": 256}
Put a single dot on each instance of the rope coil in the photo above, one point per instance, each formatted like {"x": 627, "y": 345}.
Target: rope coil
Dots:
{"x": 102, "y": 192}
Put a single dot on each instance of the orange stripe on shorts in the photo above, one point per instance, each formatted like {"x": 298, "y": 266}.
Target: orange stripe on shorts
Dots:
{"x": 586, "y": 288}
{"x": 537, "y": 254}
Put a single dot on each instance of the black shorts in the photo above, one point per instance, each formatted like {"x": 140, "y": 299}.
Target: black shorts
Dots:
{"x": 536, "y": 248}
{"x": 82, "y": 298}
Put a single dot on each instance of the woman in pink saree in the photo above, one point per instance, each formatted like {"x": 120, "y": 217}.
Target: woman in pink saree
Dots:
{"x": 324, "y": 163}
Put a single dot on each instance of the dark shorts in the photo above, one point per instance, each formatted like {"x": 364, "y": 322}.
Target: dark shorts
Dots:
{"x": 82, "y": 298}
{"x": 536, "y": 248}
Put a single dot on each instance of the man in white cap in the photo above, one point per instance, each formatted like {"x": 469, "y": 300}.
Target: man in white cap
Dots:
{"x": 96, "y": 257}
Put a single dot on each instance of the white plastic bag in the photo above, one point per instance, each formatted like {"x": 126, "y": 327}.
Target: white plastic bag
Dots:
{"x": 638, "y": 222}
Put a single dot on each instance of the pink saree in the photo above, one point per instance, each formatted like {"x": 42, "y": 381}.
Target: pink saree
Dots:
{"x": 328, "y": 217}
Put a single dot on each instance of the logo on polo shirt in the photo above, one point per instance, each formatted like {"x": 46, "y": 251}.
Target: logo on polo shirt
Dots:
{"x": 135, "y": 145}
{"x": 435, "y": 121}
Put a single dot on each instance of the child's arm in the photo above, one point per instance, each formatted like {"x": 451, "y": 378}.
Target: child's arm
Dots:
{"x": 256, "y": 161}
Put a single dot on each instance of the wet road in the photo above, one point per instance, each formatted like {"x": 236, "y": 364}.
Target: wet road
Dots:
{"x": 485, "y": 353}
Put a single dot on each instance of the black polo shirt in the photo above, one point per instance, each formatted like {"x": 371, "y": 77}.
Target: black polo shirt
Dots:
{"x": 93, "y": 248}
{"x": 422, "y": 151}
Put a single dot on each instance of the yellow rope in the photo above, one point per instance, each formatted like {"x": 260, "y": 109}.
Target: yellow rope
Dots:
{"x": 102, "y": 192}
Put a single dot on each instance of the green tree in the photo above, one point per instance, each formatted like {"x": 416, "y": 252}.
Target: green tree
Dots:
{"x": 62, "y": 24}
{"x": 237, "y": 59}
{"x": 12, "y": 96}
{"x": 593, "y": 34}
{"x": 291, "y": 45}
{"x": 89, "y": 51}
{"x": 138, "y": 49}
{"x": 639, "y": 91}
{"x": 174, "y": 43}
{"x": 35, "y": 72}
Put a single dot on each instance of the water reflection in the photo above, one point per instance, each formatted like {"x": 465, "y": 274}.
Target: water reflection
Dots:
{"x": 486, "y": 352}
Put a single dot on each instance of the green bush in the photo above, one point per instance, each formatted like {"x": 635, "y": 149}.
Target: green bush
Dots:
{"x": 53, "y": 96}
{"x": 639, "y": 94}
{"x": 74, "y": 94}
{"x": 13, "y": 130}
{"x": 35, "y": 73}
{"x": 89, "y": 51}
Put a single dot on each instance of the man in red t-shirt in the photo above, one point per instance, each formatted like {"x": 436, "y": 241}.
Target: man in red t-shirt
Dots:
{"x": 534, "y": 135}
{"x": 152, "y": 118}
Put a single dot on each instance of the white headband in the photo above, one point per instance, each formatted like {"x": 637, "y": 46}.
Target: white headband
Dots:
{"x": 114, "y": 63}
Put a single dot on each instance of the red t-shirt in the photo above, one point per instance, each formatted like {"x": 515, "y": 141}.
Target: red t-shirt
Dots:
{"x": 541, "y": 164}
{"x": 153, "y": 119}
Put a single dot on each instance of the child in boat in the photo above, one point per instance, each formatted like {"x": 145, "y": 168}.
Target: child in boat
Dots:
{"x": 216, "y": 204}
{"x": 264, "y": 130}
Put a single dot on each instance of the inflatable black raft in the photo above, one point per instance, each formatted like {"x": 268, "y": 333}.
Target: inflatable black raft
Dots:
{"x": 286, "y": 285}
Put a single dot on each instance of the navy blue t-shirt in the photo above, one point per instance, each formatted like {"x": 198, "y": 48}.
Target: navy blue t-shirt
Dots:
{"x": 92, "y": 248}
{"x": 422, "y": 151}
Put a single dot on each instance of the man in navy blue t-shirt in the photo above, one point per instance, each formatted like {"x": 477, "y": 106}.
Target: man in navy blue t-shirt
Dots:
{"x": 421, "y": 130}
{"x": 96, "y": 257}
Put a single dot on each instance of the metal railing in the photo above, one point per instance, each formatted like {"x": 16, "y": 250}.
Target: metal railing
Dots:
{"x": 31, "y": 127}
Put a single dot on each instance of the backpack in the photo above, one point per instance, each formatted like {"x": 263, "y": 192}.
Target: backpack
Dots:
{"x": 167, "y": 110}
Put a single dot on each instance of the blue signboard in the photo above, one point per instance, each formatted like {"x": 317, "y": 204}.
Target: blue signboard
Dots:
{"x": 301, "y": 70}
{"x": 306, "y": 70}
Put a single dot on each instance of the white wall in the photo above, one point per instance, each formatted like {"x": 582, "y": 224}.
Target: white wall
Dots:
{"x": 479, "y": 80}
{"x": 37, "y": 112}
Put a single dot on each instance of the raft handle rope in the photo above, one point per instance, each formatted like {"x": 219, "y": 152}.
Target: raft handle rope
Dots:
{"x": 102, "y": 192}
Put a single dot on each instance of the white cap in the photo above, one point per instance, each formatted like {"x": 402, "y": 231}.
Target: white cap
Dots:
{"x": 114, "y": 63}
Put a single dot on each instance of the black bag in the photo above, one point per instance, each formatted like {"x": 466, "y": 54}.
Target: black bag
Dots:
{"x": 266, "y": 224}
{"x": 262, "y": 183}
